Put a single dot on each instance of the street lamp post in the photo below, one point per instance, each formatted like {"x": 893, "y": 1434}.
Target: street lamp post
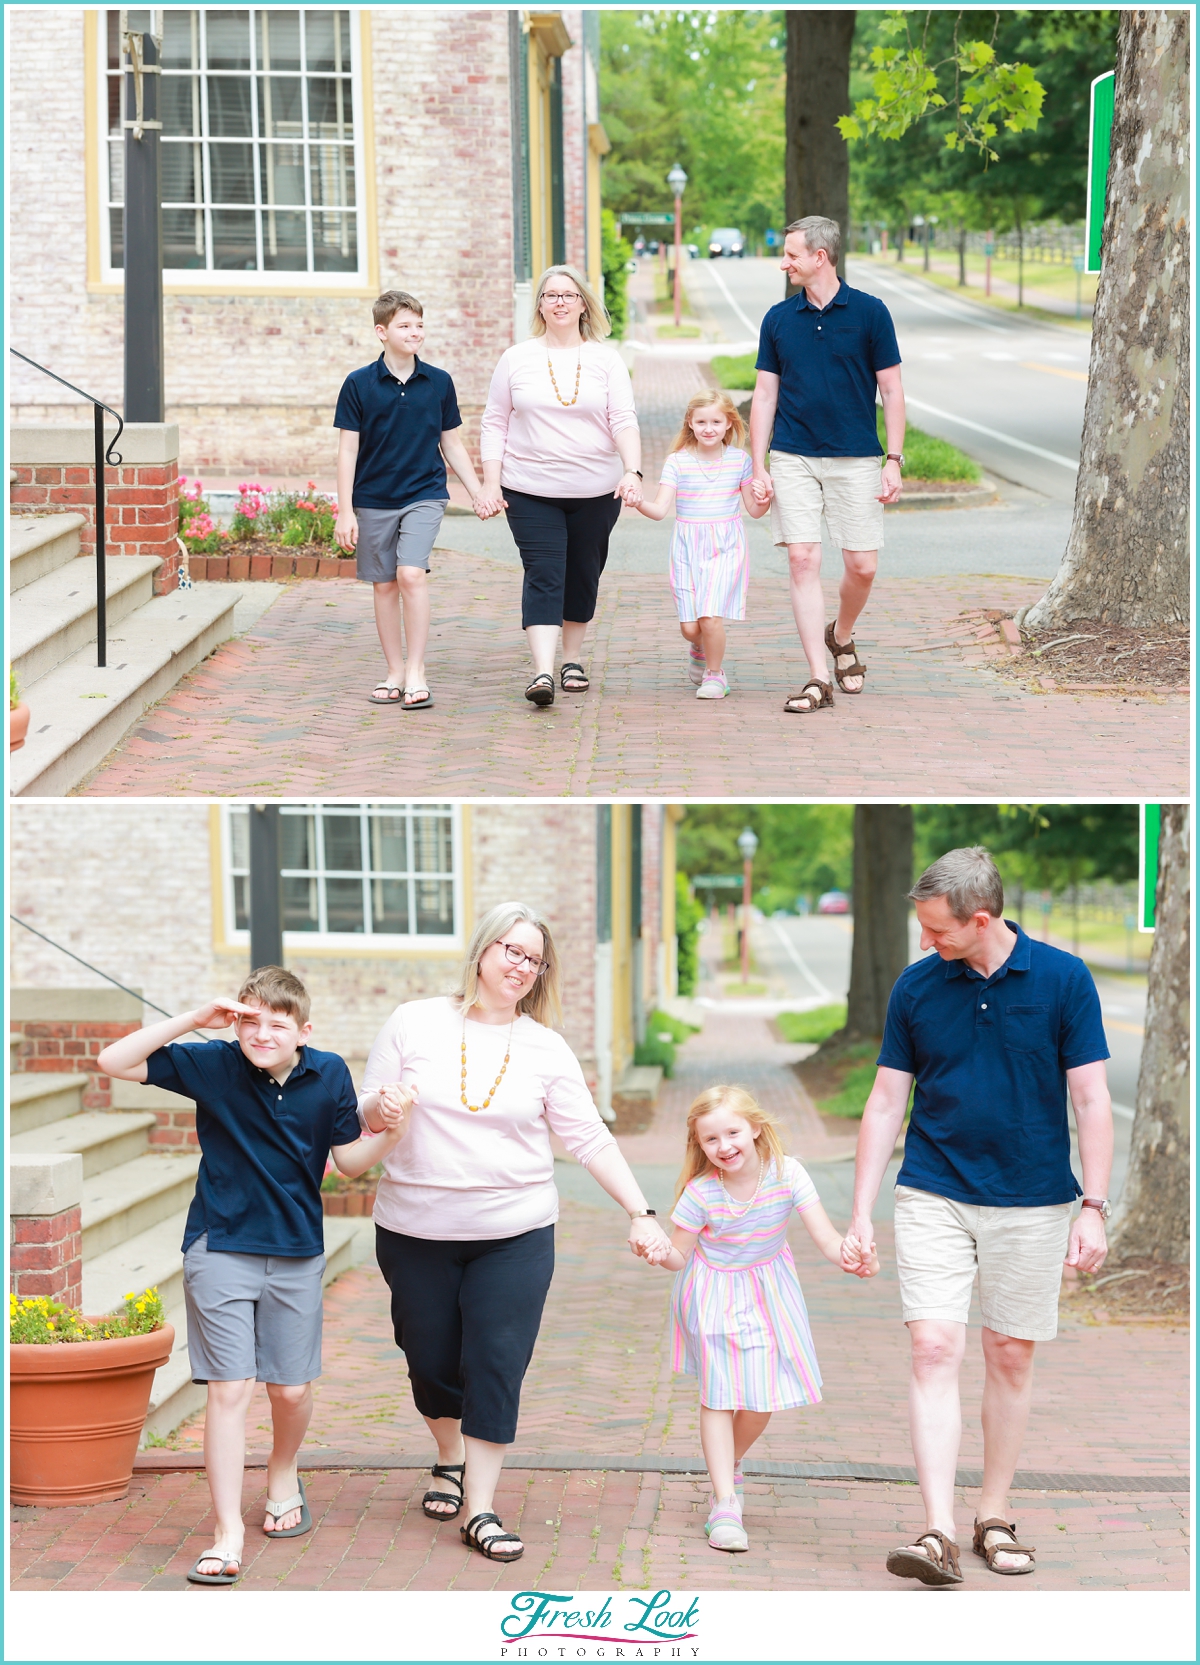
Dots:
{"x": 677, "y": 179}
{"x": 747, "y": 844}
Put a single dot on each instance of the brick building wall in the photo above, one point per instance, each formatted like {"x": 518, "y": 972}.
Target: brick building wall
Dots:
{"x": 252, "y": 380}
{"x": 574, "y": 142}
{"x": 45, "y": 1256}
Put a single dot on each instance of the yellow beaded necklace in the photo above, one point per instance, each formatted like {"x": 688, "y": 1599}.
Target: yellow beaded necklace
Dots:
{"x": 566, "y": 403}
{"x": 475, "y": 1108}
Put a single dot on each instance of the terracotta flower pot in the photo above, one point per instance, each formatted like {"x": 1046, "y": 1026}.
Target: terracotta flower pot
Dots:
{"x": 18, "y": 726}
{"x": 76, "y": 1412}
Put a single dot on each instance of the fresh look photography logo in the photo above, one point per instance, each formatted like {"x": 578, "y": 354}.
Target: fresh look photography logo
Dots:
{"x": 542, "y": 1625}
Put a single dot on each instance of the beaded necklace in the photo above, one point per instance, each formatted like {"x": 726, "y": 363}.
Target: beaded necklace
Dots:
{"x": 475, "y": 1108}
{"x": 745, "y": 1209}
{"x": 566, "y": 403}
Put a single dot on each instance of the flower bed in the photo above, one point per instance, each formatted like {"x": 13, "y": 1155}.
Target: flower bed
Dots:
{"x": 274, "y": 535}
{"x": 356, "y": 1197}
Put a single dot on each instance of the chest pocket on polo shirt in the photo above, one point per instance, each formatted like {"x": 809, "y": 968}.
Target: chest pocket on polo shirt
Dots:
{"x": 1027, "y": 1028}
{"x": 848, "y": 343}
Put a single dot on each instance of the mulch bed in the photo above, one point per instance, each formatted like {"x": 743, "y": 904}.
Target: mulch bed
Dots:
{"x": 1099, "y": 656}
{"x": 1143, "y": 1290}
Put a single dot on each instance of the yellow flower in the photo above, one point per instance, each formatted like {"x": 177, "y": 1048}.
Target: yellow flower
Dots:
{"x": 129, "y": 1297}
{"x": 141, "y": 1306}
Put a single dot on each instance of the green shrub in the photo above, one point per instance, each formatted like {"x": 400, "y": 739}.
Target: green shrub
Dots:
{"x": 654, "y": 1050}
{"x": 812, "y": 1026}
{"x": 614, "y": 252}
{"x": 688, "y": 914}
{"x": 662, "y": 1023}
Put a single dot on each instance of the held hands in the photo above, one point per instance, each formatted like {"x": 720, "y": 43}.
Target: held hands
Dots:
{"x": 488, "y": 507}
{"x": 629, "y": 489}
{"x": 860, "y": 1262}
{"x": 219, "y": 1014}
{"x": 395, "y": 1102}
{"x": 891, "y": 483}
{"x": 648, "y": 1240}
{"x": 763, "y": 487}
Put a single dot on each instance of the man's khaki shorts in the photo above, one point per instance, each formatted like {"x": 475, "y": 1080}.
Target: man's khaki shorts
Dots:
{"x": 1018, "y": 1253}
{"x": 846, "y": 489}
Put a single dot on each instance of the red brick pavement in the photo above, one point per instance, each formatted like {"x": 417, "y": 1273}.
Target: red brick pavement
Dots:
{"x": 1108, "y": 1400}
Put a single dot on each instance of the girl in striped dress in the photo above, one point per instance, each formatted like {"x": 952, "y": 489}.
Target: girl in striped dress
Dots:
{"x": 709, "y": 477}
{"x": 740, "y": 1319}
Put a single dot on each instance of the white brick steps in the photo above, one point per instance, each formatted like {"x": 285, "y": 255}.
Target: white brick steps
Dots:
{"x": 39, "y": 1098}
{"x": 55, "y": 616}
{"x": 151, "y": 1259}
{"x": 102, "y": 1138}
{"x": 121, "y": 1202}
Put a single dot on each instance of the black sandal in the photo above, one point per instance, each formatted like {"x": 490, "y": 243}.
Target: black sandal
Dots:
{"x": 579, "y": 681}
{"x": 445, "y": 1471}
{"x": 541, "y": 690}
{"x": 486, "y": 1546}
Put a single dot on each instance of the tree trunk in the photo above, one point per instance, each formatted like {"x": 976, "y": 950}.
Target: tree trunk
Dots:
{"x": 962, "y": 257}
{"x": 818, "y": 92}
{"x": 1126, "y": 560}
{"x": 883, "y": 875}
{"x": 1153, "y": 1217}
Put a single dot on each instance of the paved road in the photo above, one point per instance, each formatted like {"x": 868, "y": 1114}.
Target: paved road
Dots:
{"x": 967, "y": 369}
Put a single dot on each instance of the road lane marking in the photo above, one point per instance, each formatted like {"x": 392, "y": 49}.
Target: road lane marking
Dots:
{"x": 1123, "y": 1110}
{"x": 992, "y": 433}
{"x": 790, "y": 951}
{"x": 721, "y": 284}
{"x": 1054, "y": 370}
{"x": 1125, "y": 1028}
{"x": 942, "y": 311}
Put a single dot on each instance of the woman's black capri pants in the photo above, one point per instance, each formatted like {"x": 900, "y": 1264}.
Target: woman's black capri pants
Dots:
{"x": 466, "y": 1316}
{"x": 564, "y": 545}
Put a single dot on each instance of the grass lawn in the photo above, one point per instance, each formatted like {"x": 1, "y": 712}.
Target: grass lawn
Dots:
{"x": 1040, "y": 279}
{"x": 808, "y": 1027}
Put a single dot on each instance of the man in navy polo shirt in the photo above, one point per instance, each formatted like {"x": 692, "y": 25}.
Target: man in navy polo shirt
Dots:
{"x": 996, "y": 1030}
{"x": 821, "y": 356}
{"x": 269, "y": 1111}
{"x": 399, "y": 425}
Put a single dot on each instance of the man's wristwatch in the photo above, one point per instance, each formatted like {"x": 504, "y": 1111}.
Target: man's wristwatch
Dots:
{"x": 896, "y": 457}
{"x": 644, "y": 1214}
{"x": 1101, "y": 1204}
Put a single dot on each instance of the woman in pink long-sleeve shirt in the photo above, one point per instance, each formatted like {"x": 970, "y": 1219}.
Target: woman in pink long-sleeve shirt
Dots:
{"x": 560, "y": 439}
{"x": 464, "y": 1217}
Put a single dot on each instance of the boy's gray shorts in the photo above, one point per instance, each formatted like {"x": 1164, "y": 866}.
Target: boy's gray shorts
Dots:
{"x": 252, "y": 1315}
{"x": 388, "y": 538}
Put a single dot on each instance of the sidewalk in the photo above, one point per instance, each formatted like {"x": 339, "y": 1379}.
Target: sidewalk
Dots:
{"x": 605, "y": 1482}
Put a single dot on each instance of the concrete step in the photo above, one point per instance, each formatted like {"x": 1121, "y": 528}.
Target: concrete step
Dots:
{"x": 150, "y": 1260}
{"x": 81, "y": 712}
{"x": 134, "y": 1095}
{"x": 37, "y": 1098}
{"x": 38, "y": 544}
{"x": 55, "y": 616}
{"x": 104, "y": 1138}
{"x": 124, "y": 1201}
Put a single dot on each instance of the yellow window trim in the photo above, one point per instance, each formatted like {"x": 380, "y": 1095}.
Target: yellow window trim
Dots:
{"x": 356, "y": 290}
{"x": 550, "y": 32}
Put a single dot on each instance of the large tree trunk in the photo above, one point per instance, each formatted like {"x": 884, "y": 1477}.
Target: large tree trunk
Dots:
{"x": 1126, "y": 560}
{"x": 883, "y": 876}
{"x": 818, "y": 92}
{"x": 1153, "y": 1218}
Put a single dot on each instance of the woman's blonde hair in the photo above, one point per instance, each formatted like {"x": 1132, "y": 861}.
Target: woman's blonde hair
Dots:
{"x": 593, "y": 320}
{"x": 543, "y": 1003}
{"x": 736, "y": 1101}
{"x": 735, "y": 433}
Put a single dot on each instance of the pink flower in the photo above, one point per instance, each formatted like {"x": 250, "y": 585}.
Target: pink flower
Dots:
{"x": 200, "y": 527}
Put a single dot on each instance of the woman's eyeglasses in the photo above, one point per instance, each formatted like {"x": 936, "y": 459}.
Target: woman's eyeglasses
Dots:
{"x": 565, "y": 300}
{"x": 518, "y": 956}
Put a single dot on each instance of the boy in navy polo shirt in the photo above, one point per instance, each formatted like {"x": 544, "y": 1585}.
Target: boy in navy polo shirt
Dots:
{"x": 399, "y": 426}
{"x": 269, "y": 1111}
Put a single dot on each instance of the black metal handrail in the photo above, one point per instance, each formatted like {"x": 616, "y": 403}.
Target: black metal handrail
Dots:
{"x": 123, "y": 988}
{"x": 103, "y": 453}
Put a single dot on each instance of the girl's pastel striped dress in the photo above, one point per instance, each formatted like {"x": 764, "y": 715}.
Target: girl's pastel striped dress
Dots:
{"x": 740, "y": 1320}
{"x": 710, "y": 563}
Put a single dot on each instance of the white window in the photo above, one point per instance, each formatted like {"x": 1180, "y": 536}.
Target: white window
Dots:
{"x": 260, "y": 143}
{"x": 388, "y": 872}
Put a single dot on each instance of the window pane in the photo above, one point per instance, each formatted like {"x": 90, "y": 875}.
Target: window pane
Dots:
{"x": 279, "y": 108}
{"x": 335, "y": 243}
{"x": 116, "y": 236}
{"x": 327, "y": 37}
{"x": 300, "y": 905}
{"x": 228, "y": 106}
{"x": 344, "y": 904}
{"x": 332, "y": 183}
{"x": 231, "y": 169}
{"x": 389, "y": 845}
{"x": 284, "y": 245}
{"x": 114, "y": 105}
{"x": 181, "y": 40}
{"x": 435, "y": 907}
{"x": 180, "y": 108}
{"x": 343, "y": 844}
{"x": 241, "y": 902}
{"x": 183, "y": 239}
{"x": 278, "y": 37}
{"x": 114, "y": 40}
{"x": 298, "y": 841}
{"x": 182, "y": 174}
{"x": 233, "y": 240}
{"x": 432, "y": 844}
{"x": 116, "y": 171}
{"x": 282, "y": 173}
{"x": 330, "y": 109}
{"x": 228, "y": 40}
{"x": 389, "y": 906}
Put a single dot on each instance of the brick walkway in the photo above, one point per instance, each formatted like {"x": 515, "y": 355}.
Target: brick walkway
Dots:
{"x": 1109, "y": 1401}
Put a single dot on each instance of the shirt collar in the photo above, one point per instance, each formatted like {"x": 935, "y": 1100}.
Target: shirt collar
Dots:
{"x": 385, "y": 375}
{"x": 1018, "y": 959}
{"x": 840, "y": 299}
{"x": 302, "y": 1063}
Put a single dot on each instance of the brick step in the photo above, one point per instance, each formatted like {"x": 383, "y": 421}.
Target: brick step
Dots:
{"x": 54, "y": 616}
{"x": 121, "y": 1202}
{"x": 37, "y": 1098}
{"x": 39, "y": 544}
{"x": 81, "y": 712}
{"x": 276, "y": 567}
{"x": 104, "y": 1138}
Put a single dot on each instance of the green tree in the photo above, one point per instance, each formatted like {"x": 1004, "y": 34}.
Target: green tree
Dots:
{"x": 614, "y": 252}
{"x": 688, "y": 914}
{"x": 802, "y": 848}
{"x": 1037, "y": 846}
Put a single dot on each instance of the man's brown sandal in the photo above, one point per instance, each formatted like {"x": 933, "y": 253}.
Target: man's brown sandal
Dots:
{"x": 939, "y": 1566}
{"x": 1008, "y": 1545}
{"x": 839, "y": 650}
{"x": 823, "y": 697}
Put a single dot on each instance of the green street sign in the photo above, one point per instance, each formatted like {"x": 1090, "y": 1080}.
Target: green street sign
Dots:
{"x": 989, "y": 249}
{"x": 721, "y": 882}
{"x": 646, "y": 219}
{"x": 1149, "y": 817}
{"x": 1099, "y": 149}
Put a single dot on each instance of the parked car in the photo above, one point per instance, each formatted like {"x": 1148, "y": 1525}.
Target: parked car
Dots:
{"x": 693, "y": 250}
{"x": 833, "y": 901}
{"x": 725, "y": 243}
{"x": 652, "y": 246}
